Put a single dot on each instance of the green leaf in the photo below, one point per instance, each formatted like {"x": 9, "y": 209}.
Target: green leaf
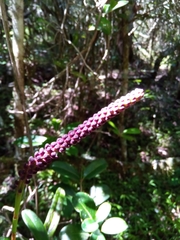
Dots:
{"x": 119, "y": 4}
{"x": 23, "y": 142}
{"x": 103, "y": 211}
{"x": 132, "y": 131}
{"x": 66, "y": 169}
{"x": 138, "y": 81}
{"x": 94, "y": 168}
{"x": 73, "y": 232}
{"x": 89, "y": 225}
{"x": 113, "y": 5}
{"x": 4, "y": 238}
{"x": 53, "y": 216}
{"x": 68, "y": 208}
{"x": 105, "y": 25}
{"x": 114, "y": 225}
{"x": 149, "y": 94}
{"x": 72, "y": 151}
{"x": 85, "y": 205}
{"x": 112, "y": 124}
{"x": 128, "y": 137}
{"x": 128, "y": 133}
{"x": 114, "y": 128}
{"x": 79, "y": 75}
{"x": 100, "y": 193}
{"x": 34, "y": 224}
{"x": 56, "y": 123}
{"x": 91, "y": 27}
{"x": 97, "y": 235}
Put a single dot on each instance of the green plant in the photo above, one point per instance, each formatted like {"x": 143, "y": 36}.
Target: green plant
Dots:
{"x": 94, "y": 219}
{"x": 49, "y": 154}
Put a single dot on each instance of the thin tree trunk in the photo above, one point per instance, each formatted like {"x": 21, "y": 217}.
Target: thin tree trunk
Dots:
{"x": 16, "y": 53}
{"x": 17, "y": 16}
{"x": 124, "y": 85}
{"x": 125, "y": 71}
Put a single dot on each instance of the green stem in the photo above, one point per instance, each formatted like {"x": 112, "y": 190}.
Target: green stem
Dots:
{"x": 19, "y": 193}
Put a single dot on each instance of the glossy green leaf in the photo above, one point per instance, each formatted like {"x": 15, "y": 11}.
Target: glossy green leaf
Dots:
{"x": 112, "y": 124}
{"x": 113, "y": 5}
{"x": 53, "y": 216}
{"x": 105, "y": 25}
{"x": 94, "y": 168}
{"x": 56, "y": 123}
{"x": 4, "y": 238}
{"x": 132, "y": 131}
{"x": 89, "y": 225}
{"x": 114, "y": 225}
{"x": 100, "y": 193}
{"x": 97, "y": 235}
{"x": 103, "y": 211}
{"x": 73, "y": 232}
{"x": 85, "y": 205}
{"x": 34, "y": 224}
{"x": 66, "y": 169}
{"x": 68, "y": 208}
{"x": 114, "y": 128}
{"x": 119, "y": 5}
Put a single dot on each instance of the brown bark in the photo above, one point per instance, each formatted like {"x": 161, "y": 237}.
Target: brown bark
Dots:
{"x": 124, "y": 81}
{"x": 124, "y": 86}
{"x": 17, "y": 11}
{"x": 16, "y": 53}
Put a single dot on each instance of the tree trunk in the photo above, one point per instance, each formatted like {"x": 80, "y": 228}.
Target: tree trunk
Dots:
{"x": 124, "y": 44}
{"x": 124, "y": 83}
{"x": 17, "y": 16}
{"x": 16, "y": 53}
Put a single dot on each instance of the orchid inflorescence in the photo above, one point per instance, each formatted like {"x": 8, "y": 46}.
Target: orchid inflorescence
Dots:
{"x": 49, "y": 153}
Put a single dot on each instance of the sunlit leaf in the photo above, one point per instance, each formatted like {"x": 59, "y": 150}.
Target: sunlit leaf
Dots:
{"x": 53, "y": 216}
{"x": 132, "y": 131}
{"x": 56, "y": 123}
{"x": 73, "y": 232}
{"x": 34, "y": 224}
{"x": 100, "y": 193}
{"x": 89, "y": 225}
{"x": 85, "y": 205}
{"x": 103, "y": 211}
{"x": 114, "y": 128}
{"x": 138, "y": 81}
{"x": 119, "y": 4}
{"x": 114, "y": 225}
{"x": 113, "y": 5}
{"x": 91, "y": 28}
